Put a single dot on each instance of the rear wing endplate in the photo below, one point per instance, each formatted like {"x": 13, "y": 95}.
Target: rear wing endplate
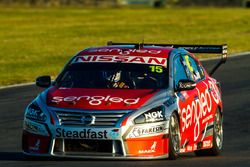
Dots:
{"x": 208, "y": 49}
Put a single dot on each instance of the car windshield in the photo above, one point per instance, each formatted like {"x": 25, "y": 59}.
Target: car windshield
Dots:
{"x": 113, "y": 75}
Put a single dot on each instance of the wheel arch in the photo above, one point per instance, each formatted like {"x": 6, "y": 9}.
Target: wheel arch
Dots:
{"x": 178, "y": 116}
{"x": 220, "y": 110}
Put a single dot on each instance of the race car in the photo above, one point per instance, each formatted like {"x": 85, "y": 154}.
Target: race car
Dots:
{"x": 128, "y": 101}
{"x": 154, "y": 3}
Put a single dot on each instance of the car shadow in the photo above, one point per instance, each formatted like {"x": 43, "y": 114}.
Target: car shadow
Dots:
{"x": 19, "y": 156}
{"x": 11, "y": 156}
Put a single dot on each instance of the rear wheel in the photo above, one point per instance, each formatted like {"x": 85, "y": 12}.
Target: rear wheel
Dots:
{"x": 217, "y": 137}
{"x": 174, "y": 137}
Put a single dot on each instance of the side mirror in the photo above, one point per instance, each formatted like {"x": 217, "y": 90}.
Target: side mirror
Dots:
{"x": 186, "y": 84}
{"x": 43, "y": 81}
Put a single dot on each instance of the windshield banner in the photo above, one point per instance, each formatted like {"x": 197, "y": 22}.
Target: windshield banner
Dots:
{"x": 119, "y": 58}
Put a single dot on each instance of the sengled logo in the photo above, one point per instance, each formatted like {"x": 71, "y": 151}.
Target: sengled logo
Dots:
{"x": 95, "y": 100}
{"x": 127, "y": 51}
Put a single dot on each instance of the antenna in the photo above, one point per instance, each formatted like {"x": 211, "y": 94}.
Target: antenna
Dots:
{"x": 140, "y": 45}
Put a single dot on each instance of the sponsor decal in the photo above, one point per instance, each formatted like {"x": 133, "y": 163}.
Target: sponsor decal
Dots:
{"x": 95, "y": 100}
{"x": 189, "y": 148}
{"x": 195, "y": 146}
{"x": 207, "y": 118}
{"x": 206, "y": 144}
{"x": 80, "y": 134}
{"x": 145, "y": 131}
{"x": 185, "y": 85}
{"x": 215, "y": 93}
{"x": 34, "y": 127}
{"x": 125, "y": 52}
{"x": 126, "y": 59}
{"x": 114, "y": 133}
{"x": 36, "y": 147}
{"x": 199, "y": 108}
{"x": 151, "y": 150}
{"x": 182, "y": 150}
{"x": 153, "y": 116}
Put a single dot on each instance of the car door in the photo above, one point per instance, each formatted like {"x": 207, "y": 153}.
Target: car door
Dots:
{"x": 204, "y": 118}
{"x": 186, "y": 100}
{"x": 202, "y": 102}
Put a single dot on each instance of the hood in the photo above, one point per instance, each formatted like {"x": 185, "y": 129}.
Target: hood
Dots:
{"x": 98, "y": 99}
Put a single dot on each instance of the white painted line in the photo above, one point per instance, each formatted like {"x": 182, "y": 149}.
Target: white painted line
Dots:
{"x": 206, "y": 59}
{"x": 230, "y": 56}
{"x": 17, "y": 85}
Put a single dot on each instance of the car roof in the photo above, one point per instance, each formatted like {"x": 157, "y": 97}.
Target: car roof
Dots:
{"x": 128, "y": 50}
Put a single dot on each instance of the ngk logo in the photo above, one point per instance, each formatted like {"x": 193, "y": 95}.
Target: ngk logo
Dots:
{"x": 94, "y": 100}
{"x": 153, "y": 116}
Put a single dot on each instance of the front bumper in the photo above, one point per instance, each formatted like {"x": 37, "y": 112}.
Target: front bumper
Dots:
{"x": 97, "y": 156}
{"x": 114, "y": 146}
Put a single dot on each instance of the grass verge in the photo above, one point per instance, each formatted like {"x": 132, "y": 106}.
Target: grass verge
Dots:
{"x": 40, "y": 41}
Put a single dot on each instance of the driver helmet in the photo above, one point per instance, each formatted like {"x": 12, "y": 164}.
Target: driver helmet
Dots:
{"x": 114, "y": 77}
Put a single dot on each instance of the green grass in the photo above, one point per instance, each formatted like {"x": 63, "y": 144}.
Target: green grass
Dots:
{"x": 40, "y": 41}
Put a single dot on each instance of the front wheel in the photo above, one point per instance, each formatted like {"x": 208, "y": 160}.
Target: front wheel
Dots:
{"x": 217, "y": 137}
{"x": 174, "y": 137}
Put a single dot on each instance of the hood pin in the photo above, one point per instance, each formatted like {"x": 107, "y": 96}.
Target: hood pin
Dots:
{"x": 72, "y": 102}
{"x": 108, "y": 103}
{"x": 127, "y": 104}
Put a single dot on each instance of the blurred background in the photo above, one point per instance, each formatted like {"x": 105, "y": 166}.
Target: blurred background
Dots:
{"x": 37, "y": 37}
{"x": 115, "y": 3}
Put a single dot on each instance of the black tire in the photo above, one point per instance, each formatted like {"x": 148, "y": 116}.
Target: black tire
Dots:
{"x": 174, "y": 137}
{"x": 217, "y": 138}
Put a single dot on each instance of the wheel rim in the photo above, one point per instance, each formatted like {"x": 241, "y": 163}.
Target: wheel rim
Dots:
{"x": 218, "y": 130}
{"x": 175, "y": 133}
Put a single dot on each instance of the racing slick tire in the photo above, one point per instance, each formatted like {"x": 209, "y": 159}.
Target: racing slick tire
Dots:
{"x": 217, "y": 138}
{"x": 174, "y": 137}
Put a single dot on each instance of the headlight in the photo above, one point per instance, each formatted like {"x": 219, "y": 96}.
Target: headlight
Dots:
{"x": 154, "y": 115}
{"x": 35, "y": 127}
{"x": 34, "y": 112}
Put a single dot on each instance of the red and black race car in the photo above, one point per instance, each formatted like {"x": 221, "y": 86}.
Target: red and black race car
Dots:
{"x": 128, "y": 101}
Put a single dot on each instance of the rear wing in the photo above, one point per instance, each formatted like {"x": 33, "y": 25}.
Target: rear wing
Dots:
{"x": 208, "y": 49}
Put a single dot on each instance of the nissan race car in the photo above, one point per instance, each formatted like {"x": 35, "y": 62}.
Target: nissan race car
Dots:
{"x": 128, "y": 101}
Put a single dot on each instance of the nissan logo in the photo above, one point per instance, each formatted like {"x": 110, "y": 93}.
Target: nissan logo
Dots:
{"x": 88, "y": 120}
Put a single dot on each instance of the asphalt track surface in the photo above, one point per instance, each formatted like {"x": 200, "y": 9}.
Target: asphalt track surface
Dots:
{"x": 235, "y": 80}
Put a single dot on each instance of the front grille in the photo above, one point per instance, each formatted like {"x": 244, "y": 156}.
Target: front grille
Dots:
{"x": 86, "y": 147}
{"x": 101, "y": 146}
{"x": 83, "y": 118}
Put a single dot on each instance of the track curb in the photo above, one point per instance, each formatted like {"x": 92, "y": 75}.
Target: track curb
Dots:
{"x": 205, "y": 59}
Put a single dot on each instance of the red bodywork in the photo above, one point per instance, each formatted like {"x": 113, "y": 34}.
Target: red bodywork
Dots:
{"x": 197, "y": 109}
